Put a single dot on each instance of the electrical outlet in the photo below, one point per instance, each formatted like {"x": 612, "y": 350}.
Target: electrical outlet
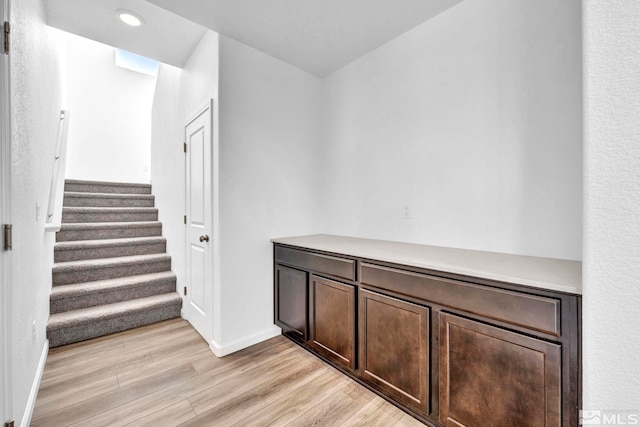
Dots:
{"x": 407, "y": 211}
{"x": 37, "y": 211}
{"x": 34, "y": 331}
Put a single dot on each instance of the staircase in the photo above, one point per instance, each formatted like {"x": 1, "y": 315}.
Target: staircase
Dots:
{"x": 110, "y": 272}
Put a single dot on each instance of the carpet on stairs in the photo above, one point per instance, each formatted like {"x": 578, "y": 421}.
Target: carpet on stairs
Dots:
{"x": 111, "y": 271}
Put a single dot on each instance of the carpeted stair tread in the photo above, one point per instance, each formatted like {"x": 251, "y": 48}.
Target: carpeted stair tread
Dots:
{"x": 107, "y": 230}
{"x": 69, "y": 318}
{"x": 100, "y": 292}
{"x": 99, "y": 263}
{"x": 82, "y": 186}
{"x": 109, "y": 214}
{"x": 87, "y": 323}
{"x": 85, "y": 195}
{"x": 94, "y": 225}
{"x": 67, "y": 273}
{"x": 86, "y": 244}
{"x": 101, "y": 285}
{"x": 82, "y": 199}
{"x": 108, "y": 248}
{"x": 107, "y": 209}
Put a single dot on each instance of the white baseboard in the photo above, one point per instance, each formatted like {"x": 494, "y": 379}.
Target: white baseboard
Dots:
{"x": 31, "y": 403}
{"x": 223, "y": 350}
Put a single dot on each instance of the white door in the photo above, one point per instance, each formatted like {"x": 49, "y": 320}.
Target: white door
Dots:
{"x": 199, "y": 221}
{"x": 5, "y": 306}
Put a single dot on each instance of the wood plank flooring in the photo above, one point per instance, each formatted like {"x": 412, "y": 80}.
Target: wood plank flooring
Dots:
{"x": 165, "y": 375}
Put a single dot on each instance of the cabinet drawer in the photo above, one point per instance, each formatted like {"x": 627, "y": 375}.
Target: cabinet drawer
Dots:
{"x": 334, "y": 266}
{"x": 530, "y": 311}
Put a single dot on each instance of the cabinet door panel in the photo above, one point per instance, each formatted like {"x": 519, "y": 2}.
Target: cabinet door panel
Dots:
{"x": 291, "y": 301}
{"x": 491, "y": 376}
{"x": 333, "y": 319}
{"x": 394, "y": 348}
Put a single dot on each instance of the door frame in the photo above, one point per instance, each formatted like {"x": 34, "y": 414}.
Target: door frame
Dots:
{"x": 214, "y": 256}
{"x": 5, "y": 218}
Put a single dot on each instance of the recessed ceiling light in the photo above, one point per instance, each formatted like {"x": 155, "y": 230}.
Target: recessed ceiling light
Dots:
{"x": 130, "y": 18}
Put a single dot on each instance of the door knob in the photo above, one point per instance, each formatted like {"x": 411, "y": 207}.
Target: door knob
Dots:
{"x": 204, "y": 238}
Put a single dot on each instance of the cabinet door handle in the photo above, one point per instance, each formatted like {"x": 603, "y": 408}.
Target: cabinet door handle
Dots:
{"x": 204, "y": 238}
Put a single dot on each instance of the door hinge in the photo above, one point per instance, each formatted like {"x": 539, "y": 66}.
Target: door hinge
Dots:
{"x": 184, "y": 146}
{"x": 7, "y": 30}
{"x": 9, "y": 423}
{"x": 185, "y": 219}
{"x": 8, "y": 236}
{"x": 185, "y": 290}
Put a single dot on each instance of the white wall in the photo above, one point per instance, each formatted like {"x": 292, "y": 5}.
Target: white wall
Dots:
{"x": 611, "y": 333}
{"x": 269, "y": 171}
{"x": 36, "y": 103}
{"x": 110, "y": 126}
{"x": 179, "y": 93}
{"x": 167, "y": 163}
{"x": 473, "y": 119}
{"x": 267, "y": 118}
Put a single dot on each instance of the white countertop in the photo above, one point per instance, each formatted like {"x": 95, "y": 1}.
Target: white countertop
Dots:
{"x": 546, "y": 273}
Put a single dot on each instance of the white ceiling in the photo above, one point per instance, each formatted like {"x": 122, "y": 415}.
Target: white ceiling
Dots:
{"x": 319, "y": 36}
{"x": 164, "y": 36}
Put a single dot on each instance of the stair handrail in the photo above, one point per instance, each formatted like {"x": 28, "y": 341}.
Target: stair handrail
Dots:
{"x": 56, "y": 190}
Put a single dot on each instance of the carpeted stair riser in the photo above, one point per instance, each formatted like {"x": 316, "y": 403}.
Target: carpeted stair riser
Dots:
{"x": 99, "y": 327}
{"x": 106, "y": 187}
{"x": 83, "y": 215}
{"x": 78, "y": 271}
{"x": 108, "y": 200}
{"x": 76, "y": 251}
{"x": 91, "y": 294}
{"x": 101, "y": 231}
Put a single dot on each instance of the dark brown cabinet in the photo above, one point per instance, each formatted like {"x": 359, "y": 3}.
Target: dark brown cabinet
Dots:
{"x": 488, "y": 373}
{"x": 450, "y": 349}
{"x": 394, "y": 347}
{"x": 332, "y": 319}
{"x": 291, "y": 301}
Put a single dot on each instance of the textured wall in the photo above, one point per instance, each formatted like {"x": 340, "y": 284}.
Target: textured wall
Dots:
{"x": 474, "y": 119}
{"x": 110, "y": 126}
{"x": 269, "y": 173}
{"x": 267, "y": 118}
{"x": 179, "y": 93}
{"x": 611, "y": 334}
{"x": 35, "y": 111}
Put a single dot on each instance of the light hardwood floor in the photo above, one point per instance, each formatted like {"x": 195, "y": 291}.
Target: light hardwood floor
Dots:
{"x": 165, "y": 375}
